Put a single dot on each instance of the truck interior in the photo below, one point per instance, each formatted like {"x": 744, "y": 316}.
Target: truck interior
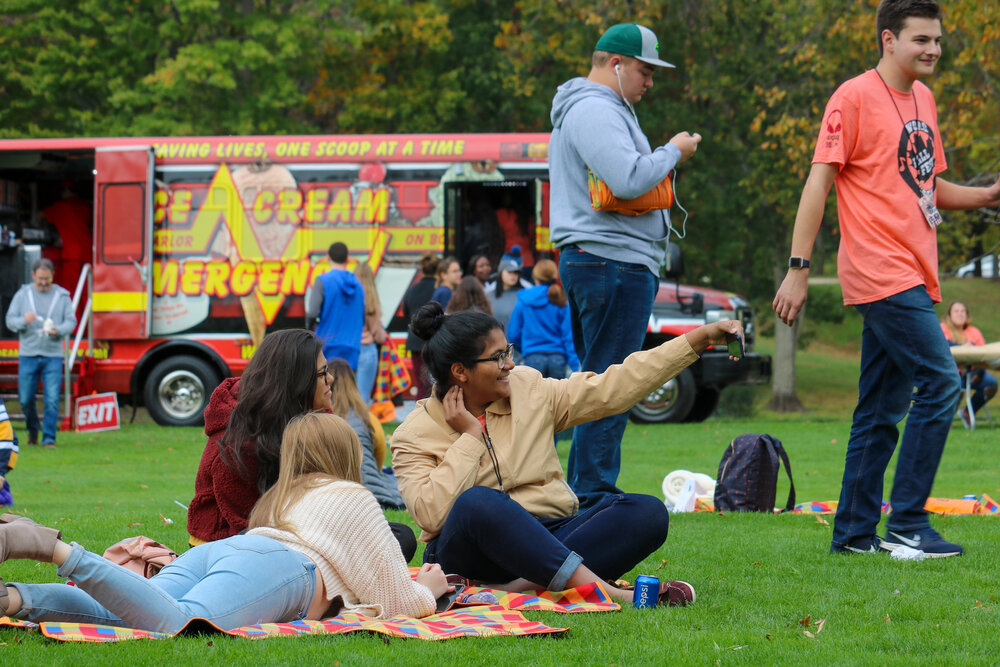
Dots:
{"x": 45, "y": 203}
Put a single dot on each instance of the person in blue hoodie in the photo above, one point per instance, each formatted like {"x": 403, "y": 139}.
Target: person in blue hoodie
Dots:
{"x": 540, "y": 324}
{"x": 338, "y": 301}
{"x": 609, "y": 262}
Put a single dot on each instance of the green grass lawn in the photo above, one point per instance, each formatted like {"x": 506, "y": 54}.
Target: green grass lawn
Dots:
{"x": 758, "y": 577}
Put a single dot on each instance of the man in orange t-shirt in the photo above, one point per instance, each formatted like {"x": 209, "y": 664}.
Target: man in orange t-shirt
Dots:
{"x": 880, "y": 143}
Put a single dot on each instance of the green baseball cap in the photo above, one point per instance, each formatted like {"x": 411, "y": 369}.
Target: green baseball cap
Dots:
{"x": 632, "y": 39}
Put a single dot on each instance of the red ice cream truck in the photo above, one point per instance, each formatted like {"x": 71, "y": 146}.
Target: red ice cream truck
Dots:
{"x": 195, "y": 247}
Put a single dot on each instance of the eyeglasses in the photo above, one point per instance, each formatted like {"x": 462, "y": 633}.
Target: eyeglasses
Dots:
{"x": 500, "y": 358}
{"x": 324, "y": 374}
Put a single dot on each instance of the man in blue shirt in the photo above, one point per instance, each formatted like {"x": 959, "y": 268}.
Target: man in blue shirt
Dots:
{"x": 338, "y": 302}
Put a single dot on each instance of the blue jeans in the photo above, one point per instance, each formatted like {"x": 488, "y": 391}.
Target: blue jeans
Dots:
{"x": 367, "y": 370}
{"x": 29, "y": 371}
{"x": 984, "y": 387}
{"x": 490, "y": 538}
{"x": 610, "y": 304}
{"x": 549, "y": 364}
{"x": 902, "y": 347}
{"x": 241, "y": 580}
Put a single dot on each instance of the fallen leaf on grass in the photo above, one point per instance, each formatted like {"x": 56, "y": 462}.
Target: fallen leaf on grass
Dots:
{"x": 887, "y": 619}
{"x": 167, "y": 520}
{"x": 135, "y": 523}
{"x": 806, "y": 621}
{"x": 143, "y": 486}
{"x": 809, "y": 634}
{"x": 768, "y": 636}
{"x": 819, "y": 625}
{"x": 821, "y": 520}
{"x": 662, "y": 563}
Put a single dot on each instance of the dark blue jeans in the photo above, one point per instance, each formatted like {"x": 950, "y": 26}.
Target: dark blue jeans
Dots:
{"x": 610, "y": 304}
{"x": 29, "y": 371}
{"x": 902, "y": 348}
{"x": 490, "y": 538}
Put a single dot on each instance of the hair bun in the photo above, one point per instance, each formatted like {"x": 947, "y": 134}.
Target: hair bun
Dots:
{"x": 428, "y": 320}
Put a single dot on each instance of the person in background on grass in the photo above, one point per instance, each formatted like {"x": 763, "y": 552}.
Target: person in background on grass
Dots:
{"x": 449, "y": 275}
{"x": 540, "y": 325}
{"x": 244, "y": 421}
{"x": 879, "y": 142}
{"x": 480, "y": 476}
{"x": 372, "y": 335}
{"x": 469, "y": 295}
{"x": 503, "y": 292}
{"x": 8, "y": 455}
{"x": 41, "y": 314}
{"x": 416, "y": 296}
{"x": 958, "y": 330}
{"x": 337, "y": 301}
{"x": 480, "y": 267}
{"x": 318, "y": 545}
{"x": 346, "y": 403}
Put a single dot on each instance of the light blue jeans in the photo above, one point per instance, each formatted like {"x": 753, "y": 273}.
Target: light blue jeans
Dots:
{"x": 29, "y": 371}
{"x": 367, "y": 371}
{"x": 241, "y": 580}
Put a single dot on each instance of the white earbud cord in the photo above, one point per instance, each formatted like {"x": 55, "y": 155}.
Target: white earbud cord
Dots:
{"x": 670, "y": 227}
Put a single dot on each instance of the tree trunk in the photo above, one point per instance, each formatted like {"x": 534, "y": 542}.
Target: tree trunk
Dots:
{"x": 783, "y": 395}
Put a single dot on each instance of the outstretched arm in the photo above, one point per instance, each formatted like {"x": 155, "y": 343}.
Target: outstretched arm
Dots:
{"x": 951, "y": 196}
{"x": 792, "y": 293}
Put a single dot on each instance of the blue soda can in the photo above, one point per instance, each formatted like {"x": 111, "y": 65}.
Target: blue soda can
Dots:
{"x": 646, "y": 592}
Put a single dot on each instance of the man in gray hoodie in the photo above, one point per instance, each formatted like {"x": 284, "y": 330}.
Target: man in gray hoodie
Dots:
{"x": 609, "y": 262}
{"x": 42, "y": 315}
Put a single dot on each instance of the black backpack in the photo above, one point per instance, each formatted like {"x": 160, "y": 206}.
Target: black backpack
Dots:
{"x": 748, "y": 475}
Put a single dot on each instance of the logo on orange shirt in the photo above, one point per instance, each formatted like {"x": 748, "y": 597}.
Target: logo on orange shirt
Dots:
{"x": 916, "y": 157}
{"x": 834, "y": 127}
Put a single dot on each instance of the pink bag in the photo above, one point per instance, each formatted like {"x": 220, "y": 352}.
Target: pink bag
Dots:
{"x": 141, "y": 555}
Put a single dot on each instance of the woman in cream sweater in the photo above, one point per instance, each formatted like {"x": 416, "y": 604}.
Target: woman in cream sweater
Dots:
{"x": 318, "y": 545}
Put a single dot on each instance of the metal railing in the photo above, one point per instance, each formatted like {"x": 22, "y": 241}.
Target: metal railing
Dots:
{"x": 86, "y": 279}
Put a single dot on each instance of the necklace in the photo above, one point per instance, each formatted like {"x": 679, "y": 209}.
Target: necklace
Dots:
{"x": 916, "y": 112}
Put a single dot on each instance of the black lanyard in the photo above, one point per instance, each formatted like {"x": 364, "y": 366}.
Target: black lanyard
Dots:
{"x": 493, "y": 455}
{"x": 916, "y": 111}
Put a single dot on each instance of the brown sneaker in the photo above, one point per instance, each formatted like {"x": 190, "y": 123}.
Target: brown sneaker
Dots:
{"x": 676, "y": 593}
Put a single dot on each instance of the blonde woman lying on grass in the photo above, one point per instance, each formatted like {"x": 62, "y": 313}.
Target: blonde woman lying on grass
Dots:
{"x": 318, "y": 544}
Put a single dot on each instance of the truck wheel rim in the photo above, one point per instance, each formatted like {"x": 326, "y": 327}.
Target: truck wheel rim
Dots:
{"x": 661, "y": 399}
{"x": 182, "y": 394}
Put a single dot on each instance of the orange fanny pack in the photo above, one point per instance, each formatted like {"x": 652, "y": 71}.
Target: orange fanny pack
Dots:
{"x": 602, "y": 199}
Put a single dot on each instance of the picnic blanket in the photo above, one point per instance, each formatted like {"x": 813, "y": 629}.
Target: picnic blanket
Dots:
{"x": 982, "y": 504}
{"x": 478, "y": 621}
{"x": 469, "y": 618}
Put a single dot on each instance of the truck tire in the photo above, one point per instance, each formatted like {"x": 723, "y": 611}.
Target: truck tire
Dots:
{"x": 671, "y": 403}
{"x": 177, "y": 390}
{"x": 705, "y": 403}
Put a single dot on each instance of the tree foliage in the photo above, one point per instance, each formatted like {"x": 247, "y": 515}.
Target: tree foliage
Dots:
{"x": 752, "y": 77}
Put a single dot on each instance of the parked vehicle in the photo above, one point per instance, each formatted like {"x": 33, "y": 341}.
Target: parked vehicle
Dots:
{"x": 969, "y": 270}
{"x": 203, "y": 244}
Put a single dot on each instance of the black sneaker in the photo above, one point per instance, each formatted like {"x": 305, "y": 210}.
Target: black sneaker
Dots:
{"x": 869, "y": 545}
{"x": 926, "y": 540}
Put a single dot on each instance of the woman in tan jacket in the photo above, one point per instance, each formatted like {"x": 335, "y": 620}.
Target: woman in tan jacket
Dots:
{"x": 480, "y": 476}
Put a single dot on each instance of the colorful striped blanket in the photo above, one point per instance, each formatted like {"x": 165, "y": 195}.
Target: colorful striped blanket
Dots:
{"x": 468, "y": 618}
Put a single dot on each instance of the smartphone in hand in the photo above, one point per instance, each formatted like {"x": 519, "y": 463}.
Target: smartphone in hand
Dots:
{"x": 736, "y": 347}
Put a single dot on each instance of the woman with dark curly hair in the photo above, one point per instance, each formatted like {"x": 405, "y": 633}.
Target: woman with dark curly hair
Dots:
{"x": 480, "y": 476}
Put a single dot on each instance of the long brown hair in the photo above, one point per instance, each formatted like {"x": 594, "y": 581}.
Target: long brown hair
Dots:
{"x": 469, "y": 295}
{"x": 345, "y": 396}
{"x": 547, "y": 273}
{"x": 373, "y": 308}
{"x": 317, "y": 448}
{"x": 278, "y": 384}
